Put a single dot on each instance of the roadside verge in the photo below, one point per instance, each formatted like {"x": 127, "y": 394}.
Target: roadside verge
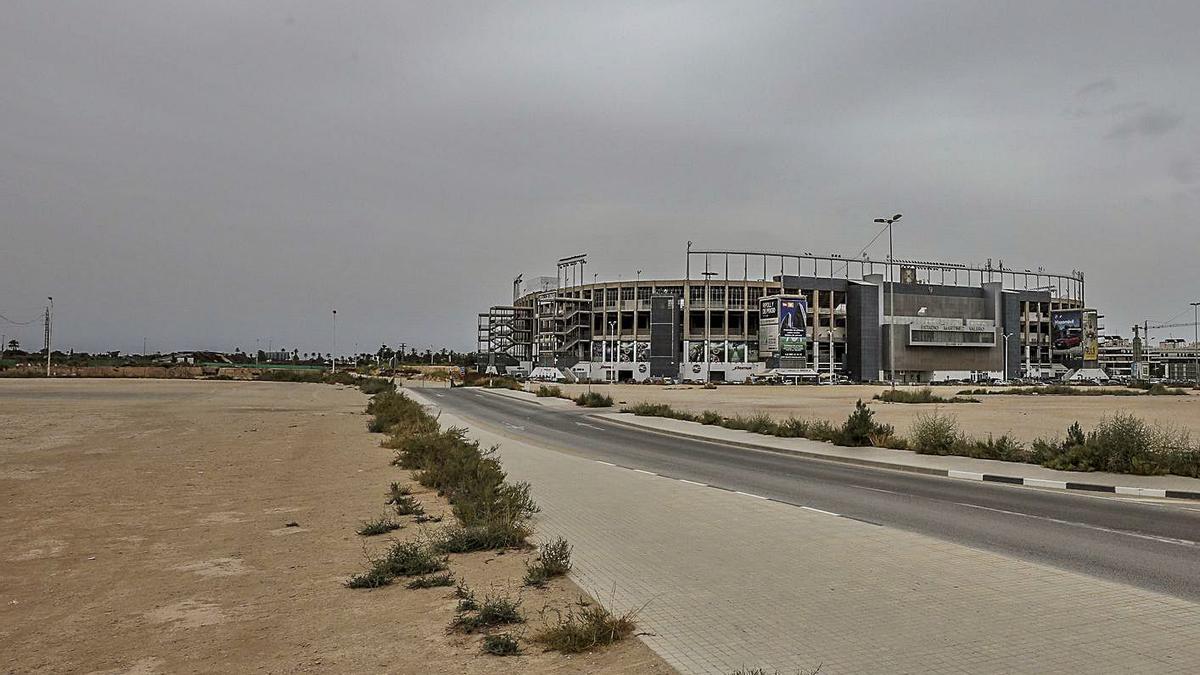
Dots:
{"x": 964, "y": 468}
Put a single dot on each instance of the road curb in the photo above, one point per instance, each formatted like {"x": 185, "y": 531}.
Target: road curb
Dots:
{"x": 947, "y": 473}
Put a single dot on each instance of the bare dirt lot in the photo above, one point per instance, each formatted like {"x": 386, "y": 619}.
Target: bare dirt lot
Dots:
{"x": 146, "y": 529}
{"x": 1023, "y": 417}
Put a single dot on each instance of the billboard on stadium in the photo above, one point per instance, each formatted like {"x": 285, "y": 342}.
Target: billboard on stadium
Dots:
{"x": 783, "y": 326}
{"x": 793, "y": 321}
{"x": 1090, "y": 337}
{"x": 1067, "y": 337}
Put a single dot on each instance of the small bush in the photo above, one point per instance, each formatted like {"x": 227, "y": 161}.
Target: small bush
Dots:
{"x": 466, "y": 599}
{"x": 860, "y": 426}
{"x": 375, "y": 385}
{"x": 549, "y": 392}
{"x": 934, "y": 433}
{"x": 660, "y": 410}
{"x": 922, "y": 395}
{"x": 495, "y": 610}
{"x": 396, "y": 491}
{"x": 407, "y": 505}
{"x": 594, "y": 399}
{"x": 372, "y": 578}
{"x": 381, "y": 525}
{"x": 759, "y": 423}
{"x": 480, "y": 538}
{"x": 432, "y": 581}
{"x": 584, "y": 627}
{"x": 710, "y": 417}
{"x": 410, "y": 559}
{"x": 501, "y": 644}
{"x": 553, "y": 561}
{"x": 792, "y": 427}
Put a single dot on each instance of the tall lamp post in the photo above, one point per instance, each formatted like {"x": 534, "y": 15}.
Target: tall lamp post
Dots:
{"x": 1196, "y": 338}
{"x": 333, "y": 345}
{"x": 891, "y": 301}
{"x": 612, "y": 328}
{"x": 49, "y": 332}
{"x": 1006, "y": 337}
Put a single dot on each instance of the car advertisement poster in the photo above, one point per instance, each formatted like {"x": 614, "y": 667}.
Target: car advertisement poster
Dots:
{"x": 1066, "y": 337}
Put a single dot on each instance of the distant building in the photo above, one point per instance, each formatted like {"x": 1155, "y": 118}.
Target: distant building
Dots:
{"x": 737, "y": 315}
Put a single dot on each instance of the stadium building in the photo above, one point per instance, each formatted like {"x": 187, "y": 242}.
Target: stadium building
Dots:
{"x": 739, "y": 315}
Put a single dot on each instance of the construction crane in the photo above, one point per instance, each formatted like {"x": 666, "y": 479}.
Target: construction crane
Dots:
{"x": 1145, "y": 328}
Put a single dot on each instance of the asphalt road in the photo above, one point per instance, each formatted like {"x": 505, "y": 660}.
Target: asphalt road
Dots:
{"x": 1149, "y": 545}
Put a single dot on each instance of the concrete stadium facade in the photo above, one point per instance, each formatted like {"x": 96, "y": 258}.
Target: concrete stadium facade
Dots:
{"x": 936, "y": 321}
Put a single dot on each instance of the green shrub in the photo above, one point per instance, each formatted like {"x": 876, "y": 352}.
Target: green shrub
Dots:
{"x": 792, "y": 427}
{"x": 660, "y": 410}
{"x": 501, "y": 644}
{"x": 394, "y": 412}
{"x": 759, "y": 423}
{"x": 553, "y": 561}
{"x": 372, "y": 578}
{"x": 583, "y": 628}
{"x": 466, "y": 599}
{"x": 823, "y": 430}
{"x": 410, "y": 559}
{"x": 381, "y": 525}
{"x": 432, "y": 581}
{"x": 549, "y": 392}
{"x": 934, "y": 433}
{"x": 480, "y": 538}
{"x": 710, "y": 417}
{"x": 594, "y": 399}
{"x": 495, "y": 610}
{"x": 922, "y": 395}
{"x": 407, "y": 505}
{"x": 860, "y": 425}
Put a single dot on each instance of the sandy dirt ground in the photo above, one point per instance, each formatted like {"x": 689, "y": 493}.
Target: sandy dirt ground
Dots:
{"x": 1024, "y": 417}
{"x": 145, "y": 529}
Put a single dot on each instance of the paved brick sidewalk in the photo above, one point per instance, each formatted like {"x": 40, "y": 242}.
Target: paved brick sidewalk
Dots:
{"x": 729, "y": 580}
{"x": 963, "y": 466}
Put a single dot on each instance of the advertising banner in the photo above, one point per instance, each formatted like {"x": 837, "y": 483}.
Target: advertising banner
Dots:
{"x": 1066, "y": 337}
{"x": 1090, "y": 337}
{"x": 768, "y": 326}
{"x": 793, "y": 322}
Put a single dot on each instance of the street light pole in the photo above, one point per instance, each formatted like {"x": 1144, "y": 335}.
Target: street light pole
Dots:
{"x": 1006, "y": 337}
{"x": 49, "y": 332}
{"x": 1196, "y": 338}
{"x": 891, "y": 300}
{"x": 333, "y": 346}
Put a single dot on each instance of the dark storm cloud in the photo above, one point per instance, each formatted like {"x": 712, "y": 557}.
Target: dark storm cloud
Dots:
{"x": 1153, "y": 122}
{"x": 205, "y": 174}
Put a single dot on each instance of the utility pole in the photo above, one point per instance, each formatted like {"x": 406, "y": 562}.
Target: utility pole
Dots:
{"x": 49, "y": 332}
{"x": 891, "y": 300}
{"x": 333, "y": 342}
{"x": 1196, "y": 338}
{"x": 1006, "y": 337}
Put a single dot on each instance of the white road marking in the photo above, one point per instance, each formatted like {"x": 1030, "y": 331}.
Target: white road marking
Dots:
{"x": 513, "y": 426}
{"x": 646, "y": 472}
{"x": 1043, "y": 483}
{"x": 692, "y": 482}
{"x": 967, "y": 475}
{"x": 604, "y": 463}
{"x": 864, "y": 487}
{"x": 440, "y": 395}
{"x": 1099, "y": 528}
{"x": 749, "y": 494}
{"x": 828, "y": 513}
{"x": 590, "y": 426}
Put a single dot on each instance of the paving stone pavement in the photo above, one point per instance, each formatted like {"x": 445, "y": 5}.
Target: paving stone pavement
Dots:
{"x": 726, "y": 580}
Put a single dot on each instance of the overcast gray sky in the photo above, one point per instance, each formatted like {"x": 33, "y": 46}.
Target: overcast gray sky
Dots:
{"x": 207, "y": 173}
